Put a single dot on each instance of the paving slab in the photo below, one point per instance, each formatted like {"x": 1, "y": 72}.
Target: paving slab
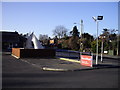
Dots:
{"x": 55, "y": 64}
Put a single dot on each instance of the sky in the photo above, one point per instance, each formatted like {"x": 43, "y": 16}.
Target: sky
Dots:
{"x": 43, "y": 17}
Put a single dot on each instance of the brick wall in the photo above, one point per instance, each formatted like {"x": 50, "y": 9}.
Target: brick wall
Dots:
{"x": 33, "y": 53}
{"x": 16, "y": 52}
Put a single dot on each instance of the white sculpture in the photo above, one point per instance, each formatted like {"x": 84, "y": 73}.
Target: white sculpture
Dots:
{"x": 36, "y": 43}
{"x": 28, "y": 42}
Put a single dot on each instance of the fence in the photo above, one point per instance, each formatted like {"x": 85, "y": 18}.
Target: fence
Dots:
{"x": 68, "y": 54}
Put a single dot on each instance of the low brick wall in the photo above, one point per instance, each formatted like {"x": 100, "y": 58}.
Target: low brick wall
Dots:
{"x": 16, "y": 52}
{"x": 33, "y": 53}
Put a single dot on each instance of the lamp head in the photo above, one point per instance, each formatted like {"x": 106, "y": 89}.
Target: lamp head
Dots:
{"x": 94, "y": 18}
{"x": 100, "y": 18}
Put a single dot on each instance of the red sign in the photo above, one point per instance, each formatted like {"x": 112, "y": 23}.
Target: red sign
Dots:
{"x": 86, "y": 60}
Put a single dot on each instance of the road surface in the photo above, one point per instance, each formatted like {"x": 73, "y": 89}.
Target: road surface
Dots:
{"x": 19, "y": 74}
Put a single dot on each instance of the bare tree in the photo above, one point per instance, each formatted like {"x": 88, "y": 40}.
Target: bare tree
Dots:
{"x": 44, "y": 39}
{"x": 60, "y": 31}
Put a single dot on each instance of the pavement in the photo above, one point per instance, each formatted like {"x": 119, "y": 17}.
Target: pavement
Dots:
{"x": 65, "y": 64}
{"x": 54, "y": 64}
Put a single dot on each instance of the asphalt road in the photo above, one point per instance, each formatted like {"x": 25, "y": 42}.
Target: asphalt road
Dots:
{"x": 19, "y": 74}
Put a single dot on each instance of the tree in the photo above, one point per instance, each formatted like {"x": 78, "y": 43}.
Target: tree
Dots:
{"x": 93, "y": 46}
{"x": 65, "y": 44}
{"x": 75, "y": 32}
{"x": 44, "y": 39}
{"x": 106, "y": 33}
{"x": 74, "y": 40}
{"x": 60, "y": 31}
{"x": 110, "y": 40}
{"x": 74, "y": 43}
{"x": 86, "y": 40}
{"x": 104, "y": 37}
{"x": 113, "y": 41}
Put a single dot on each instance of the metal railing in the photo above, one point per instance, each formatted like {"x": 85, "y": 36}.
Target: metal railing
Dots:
{"x": 68, "y": 54}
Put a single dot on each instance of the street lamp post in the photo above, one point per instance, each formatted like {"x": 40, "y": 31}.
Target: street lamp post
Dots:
{"x": 117, "y": 42}
{"x": 102, "y": 52}
{"x": 97, "y": 45}
{"x": 81, "y": 43}
{"x": 96, "y": 20}
{"x": 102, "y": 38}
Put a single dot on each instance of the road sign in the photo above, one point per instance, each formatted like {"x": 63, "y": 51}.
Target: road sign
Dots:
{"x": 86, "y": 60}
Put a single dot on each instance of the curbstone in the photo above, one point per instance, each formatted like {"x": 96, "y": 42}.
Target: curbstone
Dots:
{"x": 53, "y": 69}
{"x": 15, "y": 56}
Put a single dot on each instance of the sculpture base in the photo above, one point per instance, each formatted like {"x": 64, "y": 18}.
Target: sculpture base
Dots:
{"x": 33, "y": 53}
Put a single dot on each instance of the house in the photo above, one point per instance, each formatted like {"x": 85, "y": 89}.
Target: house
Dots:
{"x": 9, "y": 40}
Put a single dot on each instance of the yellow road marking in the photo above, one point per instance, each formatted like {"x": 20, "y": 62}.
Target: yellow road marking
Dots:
{"x": 71, "y": 60}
